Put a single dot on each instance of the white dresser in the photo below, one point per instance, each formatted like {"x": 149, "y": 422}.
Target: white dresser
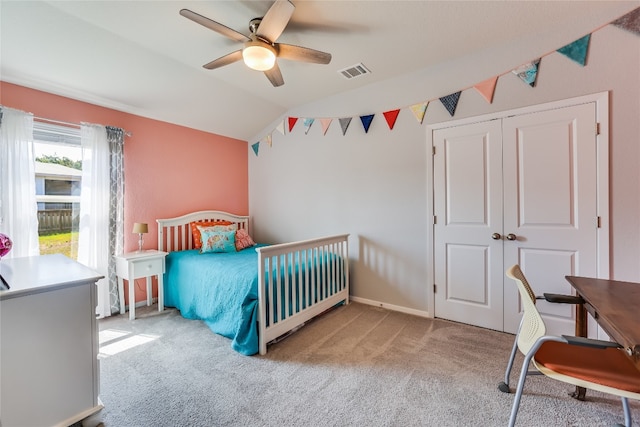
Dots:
{"x": 49, "y": 372}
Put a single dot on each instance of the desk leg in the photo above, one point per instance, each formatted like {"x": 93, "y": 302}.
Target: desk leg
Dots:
{"x": 581, "y": 331}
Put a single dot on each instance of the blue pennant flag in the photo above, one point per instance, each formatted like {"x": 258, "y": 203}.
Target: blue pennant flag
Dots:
{"x": 255, "y": 147}
{"x": 577, "y": 50}
{"x": 366, "y": 122}
{"x": 450, "y": 102}
{"x": 528, "y": 72}
{"x": 307, "y": 124}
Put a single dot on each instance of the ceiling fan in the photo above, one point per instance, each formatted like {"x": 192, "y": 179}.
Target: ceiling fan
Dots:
{"x": 260, "y": 48}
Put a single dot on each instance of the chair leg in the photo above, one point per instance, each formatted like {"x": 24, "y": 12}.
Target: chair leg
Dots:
{"x": 516, "y": 400}
{"x": 504, "y": 386}
{"x": 627, "y": 412}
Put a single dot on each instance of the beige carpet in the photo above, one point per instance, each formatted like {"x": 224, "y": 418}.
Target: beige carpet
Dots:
{"x": 355, "y": 366}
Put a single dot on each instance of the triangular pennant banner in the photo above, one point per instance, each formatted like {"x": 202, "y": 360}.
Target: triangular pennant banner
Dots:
{"x": 419, "y": 110}
{"x": 366, "y": 121}
{"x": 450, "y": 102}
{"x": 269, "y": 140}
{"x": 630, "y": 21}
{"x": 292, "y": 122}
{"x": 577, "y": 50}
{"x": 487, "y": 88}
{"x": 325, "y": 125}
{"x": 344, "y": 124}
{"x": 528, "y": 72}
{"x": 307, "y": 125}
{"x": 391, "y": 117}
{"x": 280, "y": 127}
{"x": 255, "y": 147}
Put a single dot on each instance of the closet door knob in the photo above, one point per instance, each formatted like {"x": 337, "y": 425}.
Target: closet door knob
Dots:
{"x": 511, "y": 236}
{"x": 496, "y": 236}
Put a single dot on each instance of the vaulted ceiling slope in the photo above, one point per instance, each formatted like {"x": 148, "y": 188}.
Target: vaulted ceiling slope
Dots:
{"x": 142, "y": 57}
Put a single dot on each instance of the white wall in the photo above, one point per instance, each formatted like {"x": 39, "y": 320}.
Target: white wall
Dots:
{"x": 374, "y": 185}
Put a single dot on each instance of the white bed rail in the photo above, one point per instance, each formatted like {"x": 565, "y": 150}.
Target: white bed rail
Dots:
{"x": 299, "y": 280}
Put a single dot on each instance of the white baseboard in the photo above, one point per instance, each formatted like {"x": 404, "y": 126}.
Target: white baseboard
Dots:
{"x": 392, "y": 307}
{"x": 144, "y": 303}
{"x": 126, "y": 307}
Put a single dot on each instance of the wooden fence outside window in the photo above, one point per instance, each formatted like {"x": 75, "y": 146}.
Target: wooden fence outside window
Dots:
{"x": 56, "y": 220}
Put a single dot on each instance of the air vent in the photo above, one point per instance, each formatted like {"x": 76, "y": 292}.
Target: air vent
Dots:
{"x": 354, "y": 71}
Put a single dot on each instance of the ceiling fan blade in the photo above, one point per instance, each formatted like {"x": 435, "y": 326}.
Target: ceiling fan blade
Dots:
{"x": 299, "y": 53}
{"x": 224, "y": 60}
{"x": 215, "y": 26}
{"x": 274, "y": 21}
{"x": 275, "y": 76}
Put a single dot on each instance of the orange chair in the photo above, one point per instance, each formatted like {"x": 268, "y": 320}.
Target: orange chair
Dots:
{"x": 592, "y": 364}
{"x": 552, "y": 298}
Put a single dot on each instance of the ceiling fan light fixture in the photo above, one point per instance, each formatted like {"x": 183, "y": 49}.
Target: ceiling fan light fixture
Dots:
{"x": 259, "y": 56}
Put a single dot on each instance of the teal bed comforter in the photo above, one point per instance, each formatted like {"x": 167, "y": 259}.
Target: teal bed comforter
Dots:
{"x": 219, "y": 288}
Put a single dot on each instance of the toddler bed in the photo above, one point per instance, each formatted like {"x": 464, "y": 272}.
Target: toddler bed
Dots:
{"x": 252, "y": 295}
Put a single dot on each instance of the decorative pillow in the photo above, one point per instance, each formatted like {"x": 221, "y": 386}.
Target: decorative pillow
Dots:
{"x": 232, "y": 227}
{"x": 197, "y": 241}
{"x": 218, "y": 241}
{"x": 243, "y": 240}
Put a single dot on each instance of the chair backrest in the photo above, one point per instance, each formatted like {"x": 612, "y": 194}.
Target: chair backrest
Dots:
{"x": 532, "y": 324}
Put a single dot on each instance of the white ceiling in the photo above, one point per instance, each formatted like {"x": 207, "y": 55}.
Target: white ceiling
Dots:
{"x": 142, "y": 57}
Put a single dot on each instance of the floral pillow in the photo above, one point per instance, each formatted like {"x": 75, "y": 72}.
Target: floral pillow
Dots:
{"x": 243, "y": 240}
{"x": 195, "y": 232}
{"x": 218, "y": 241}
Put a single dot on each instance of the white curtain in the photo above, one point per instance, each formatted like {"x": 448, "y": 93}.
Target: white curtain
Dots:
{"x": 18, "y": 207}
{"x": 93, "y": 239}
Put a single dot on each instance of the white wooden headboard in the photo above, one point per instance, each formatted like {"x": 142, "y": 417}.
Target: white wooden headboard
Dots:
{"x": 174, "y": 234}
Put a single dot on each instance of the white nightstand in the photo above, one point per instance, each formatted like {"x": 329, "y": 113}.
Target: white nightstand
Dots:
{"x": 135, "y": 265}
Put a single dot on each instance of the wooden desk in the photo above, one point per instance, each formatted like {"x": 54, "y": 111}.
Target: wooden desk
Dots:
{"x": 614, "y": 305}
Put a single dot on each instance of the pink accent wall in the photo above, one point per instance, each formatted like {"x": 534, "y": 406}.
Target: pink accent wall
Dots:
{"x": 169, "y": 169}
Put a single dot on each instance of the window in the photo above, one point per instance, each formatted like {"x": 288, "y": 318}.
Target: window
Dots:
{"x": 58, "y": 171}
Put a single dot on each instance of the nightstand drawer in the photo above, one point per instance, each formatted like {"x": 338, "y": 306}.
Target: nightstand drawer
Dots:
{"x": 140, "y": 266}
{"x": 147, "y": 267}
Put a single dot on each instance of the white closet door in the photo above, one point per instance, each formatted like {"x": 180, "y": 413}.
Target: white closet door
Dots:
{"x": 550, "y": 206}
{"x": 468, "y": 264}
{"x": 521, "y": 189}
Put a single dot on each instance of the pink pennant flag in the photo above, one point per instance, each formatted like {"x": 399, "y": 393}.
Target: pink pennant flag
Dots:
{"x": 280, "y": 127}
{"x": 292, "y": 123}
{"x": 325, "y": 125}
{"x": 419, "y": 110}
{"x": 487, "y": 88}
{"x": 269, "y": 140}
{"x": 391, "y": 117}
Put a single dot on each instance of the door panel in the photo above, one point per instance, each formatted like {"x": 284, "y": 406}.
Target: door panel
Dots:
{"x": 468, "y": 209}
{"x": 550, "y": 205}
{"x": 463, "y": 263}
